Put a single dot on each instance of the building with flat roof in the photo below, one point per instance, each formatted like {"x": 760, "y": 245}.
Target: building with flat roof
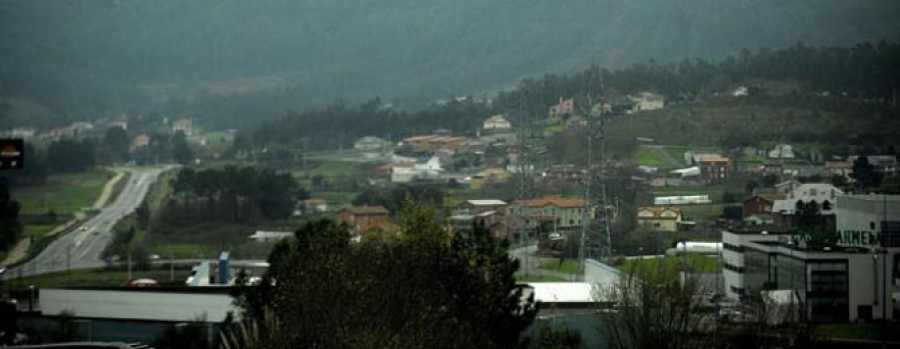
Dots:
{"x": 847, "y": 274}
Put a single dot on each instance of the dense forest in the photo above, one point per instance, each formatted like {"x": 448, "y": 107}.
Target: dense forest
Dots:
{"x": 236, "y": 60}
{"x": 862, "y": 72}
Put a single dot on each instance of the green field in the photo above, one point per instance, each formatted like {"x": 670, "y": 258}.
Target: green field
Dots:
{"x": 332, "y": 169}
{"x": 648, "y": 157}
{"x": 64, "y": 194}
{"x": 697, "y": 264}
{"x": 701, "y": 212}
{"x": 676, "y": 151}
{"x": 38, "y": 230}
{"x": 568, "y": 266}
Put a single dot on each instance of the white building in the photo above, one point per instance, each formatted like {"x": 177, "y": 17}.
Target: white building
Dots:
{"x": 782, "y": 151}
{"x": 647, "y": 101}
{"x": 682, "y": 200}
{"x": 430, "y": 169}
{"x": 496, "y": 122}
{"x": 823, "y": 194}
{"x": 370, "y": 143}
{"x": 847, "y": 276}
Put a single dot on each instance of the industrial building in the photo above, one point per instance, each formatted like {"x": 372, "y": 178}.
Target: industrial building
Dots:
{"x": 844, "y": 275}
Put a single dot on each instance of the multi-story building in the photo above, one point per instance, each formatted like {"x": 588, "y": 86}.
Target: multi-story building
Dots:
{"x": 839, "y": 276}
{"x": 715, "y": 169}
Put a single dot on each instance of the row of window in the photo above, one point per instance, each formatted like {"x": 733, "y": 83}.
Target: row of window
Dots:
{"x": 734, "y": 268}
{"x": 735, "y": 248}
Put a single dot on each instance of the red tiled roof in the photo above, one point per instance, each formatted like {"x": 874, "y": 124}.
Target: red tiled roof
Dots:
{"x": 658, "y": 210}
{"x": 366, "y": 210}
{"x": 555, "y": 200}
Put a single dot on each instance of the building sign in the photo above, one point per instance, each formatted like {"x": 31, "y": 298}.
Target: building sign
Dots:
{"x": 12, "y": 154}
{"x": 846, "y": 238}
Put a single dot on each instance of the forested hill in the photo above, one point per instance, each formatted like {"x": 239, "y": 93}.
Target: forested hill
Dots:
{"x": 865, "y": 78}
{"x": 115, "y": 54}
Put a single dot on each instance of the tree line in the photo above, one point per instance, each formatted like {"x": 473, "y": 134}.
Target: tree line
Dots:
{"x": 865, "y": 70}
{"x": 236, "y": 194}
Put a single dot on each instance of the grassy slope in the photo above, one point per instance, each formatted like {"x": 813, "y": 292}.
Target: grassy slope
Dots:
{"x": 65, "y": 193}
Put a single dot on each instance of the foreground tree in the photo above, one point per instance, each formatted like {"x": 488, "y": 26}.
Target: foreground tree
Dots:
{"x": 426, "y": 288}
{"x": 10, "y": 227}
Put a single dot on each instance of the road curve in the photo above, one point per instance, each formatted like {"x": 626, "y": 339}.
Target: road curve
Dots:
{"x": 82, "y": 248}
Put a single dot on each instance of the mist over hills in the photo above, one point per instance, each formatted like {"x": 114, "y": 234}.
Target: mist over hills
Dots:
{"x": 100, "y": 55}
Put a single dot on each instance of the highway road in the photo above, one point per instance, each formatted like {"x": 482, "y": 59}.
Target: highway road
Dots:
{"x": 82, "y": 247}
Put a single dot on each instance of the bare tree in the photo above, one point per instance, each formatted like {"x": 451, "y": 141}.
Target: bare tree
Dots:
{"x": 653, "y": 308}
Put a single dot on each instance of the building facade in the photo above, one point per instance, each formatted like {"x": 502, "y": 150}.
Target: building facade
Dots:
{"x": 659, "y": 218}
{"x": 715, "y": 169}
{"x": 845, "y": 275}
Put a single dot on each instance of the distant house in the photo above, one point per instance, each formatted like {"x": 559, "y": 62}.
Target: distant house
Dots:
{"x": 694, "y": 157}
{"x": 428, "y": 170}
{"x": 22, "y": 132}
{"x": 141, "y": 140}
{"x": 476, "y": 207}
{"x": 715, "y": 169}
{"x": 183, "y": 125}
{"x": 760, "y": 205}
{"x": 552, "y": 213}
{"x": 647, "y": 101}
{"x": 363, "y": 219}
{"x": 315, "y": 205}
{"x": 432, "y": 142}
{"x": 120, "y": 124}
{"x": 565, "y": 107}
{"x": 659, "y": 218}
{"x": 840, "y": 168}
{"x": 497, "y": 123}
{"x": 770, "y": 167}
{"x": 566, "y": 172}
{"x": 782, "y": 151}
{"x": 370, "y": 143}
{"x": 740, "y": 91}
{"x": 576, "y": 122}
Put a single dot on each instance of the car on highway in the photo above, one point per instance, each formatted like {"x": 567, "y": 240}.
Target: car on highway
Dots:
{"x": 83, "y": 228}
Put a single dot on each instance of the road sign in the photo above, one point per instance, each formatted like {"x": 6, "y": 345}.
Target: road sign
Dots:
{"x": 12, "y": 154}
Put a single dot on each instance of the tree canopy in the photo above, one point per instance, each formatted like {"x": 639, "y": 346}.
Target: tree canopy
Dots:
{"x": 424, "y": 289}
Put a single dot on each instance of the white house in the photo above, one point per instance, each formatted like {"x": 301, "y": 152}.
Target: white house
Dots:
{"x": 369, "y": 143}
{"x": 823, "y": 194}
{"x": 496, "y": 122}
{"x": 782, "y": 151}
{"x": 648, "y": 101}
{"x": 430, "y": 169}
